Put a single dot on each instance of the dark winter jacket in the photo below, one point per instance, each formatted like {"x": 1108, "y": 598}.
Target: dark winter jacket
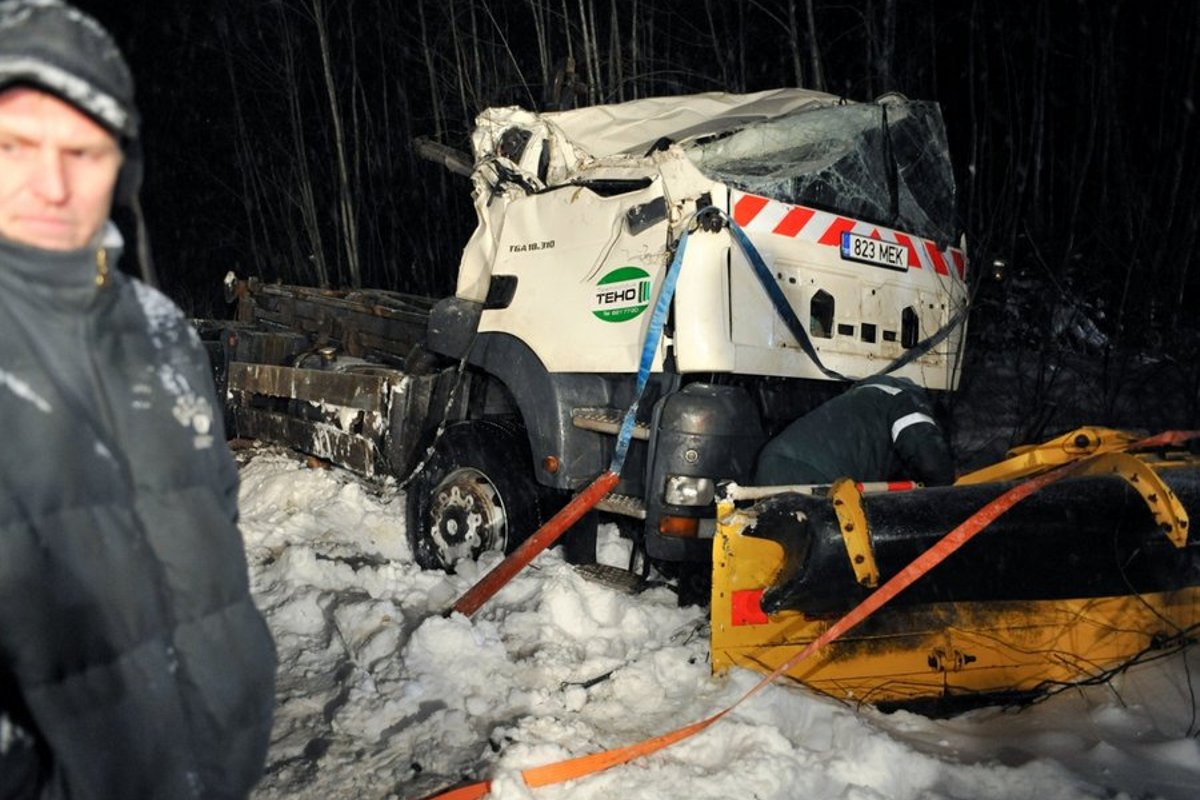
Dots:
{"x": 133, "y": 662}
{"x": 881, "y": 428}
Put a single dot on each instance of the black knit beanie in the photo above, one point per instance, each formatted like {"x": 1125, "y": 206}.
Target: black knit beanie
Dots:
{"x": 56, "y": 47}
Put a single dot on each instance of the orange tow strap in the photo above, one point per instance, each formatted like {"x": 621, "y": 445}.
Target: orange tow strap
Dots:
{"x": 1163, "y": 439}
{"x": 581, "y": 766}
{"x": 542, "y": 538}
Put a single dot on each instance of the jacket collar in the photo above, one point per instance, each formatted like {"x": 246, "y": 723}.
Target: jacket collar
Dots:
{"x": 60, "y": 278}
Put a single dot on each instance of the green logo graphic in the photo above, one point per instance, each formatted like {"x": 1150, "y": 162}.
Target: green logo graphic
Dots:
{"x": 622, "y": 294}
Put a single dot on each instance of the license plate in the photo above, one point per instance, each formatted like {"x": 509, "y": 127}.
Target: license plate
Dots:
{"x": 866, "y": 250}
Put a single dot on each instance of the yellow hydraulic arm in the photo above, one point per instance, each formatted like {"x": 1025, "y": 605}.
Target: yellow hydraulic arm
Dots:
{"x": 1107, "y": 448}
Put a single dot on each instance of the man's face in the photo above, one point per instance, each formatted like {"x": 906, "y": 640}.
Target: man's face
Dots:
{"x": 58, "y": 169}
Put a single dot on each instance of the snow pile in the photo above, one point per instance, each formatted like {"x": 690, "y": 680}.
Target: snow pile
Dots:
{"x": 379, "y": 696}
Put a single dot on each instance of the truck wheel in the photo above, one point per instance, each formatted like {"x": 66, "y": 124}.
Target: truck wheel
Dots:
{"x": 476, "y": 494}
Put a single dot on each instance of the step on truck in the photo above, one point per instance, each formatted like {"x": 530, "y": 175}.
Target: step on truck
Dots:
{"x": 822, "y": 245}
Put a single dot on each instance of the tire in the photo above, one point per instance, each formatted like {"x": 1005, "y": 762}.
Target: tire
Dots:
{"x": 476, "y": 494}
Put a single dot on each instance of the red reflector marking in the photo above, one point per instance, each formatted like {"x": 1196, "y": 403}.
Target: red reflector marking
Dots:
{"x": 794, "y": 221}
{"x": 747, "y": 607}
{"x": 834, "y": 234}
{"x": 960, "y": 263}
{"x": 939, "y": 263}
{"x": 746, "y": 209}
{"x": 914, "y": 261}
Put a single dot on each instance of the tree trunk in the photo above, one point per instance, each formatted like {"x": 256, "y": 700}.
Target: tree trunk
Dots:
{"x": 346, "y": 212}
{"x": 814, "y": 50}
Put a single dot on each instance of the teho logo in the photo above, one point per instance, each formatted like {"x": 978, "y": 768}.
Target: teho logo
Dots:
{"x": 622, "y": 294}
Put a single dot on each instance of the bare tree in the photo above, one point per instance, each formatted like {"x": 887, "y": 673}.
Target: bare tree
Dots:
{"x": 345, "y": 191}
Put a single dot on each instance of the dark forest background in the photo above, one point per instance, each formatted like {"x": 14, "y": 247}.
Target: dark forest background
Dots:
{"x": 280, "y": 133}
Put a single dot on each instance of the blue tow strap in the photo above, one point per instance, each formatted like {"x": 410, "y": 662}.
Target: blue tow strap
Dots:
{"x": 782, "y": 307}
{"x": 785, "y": 311}
{"x": 649, "y": 347}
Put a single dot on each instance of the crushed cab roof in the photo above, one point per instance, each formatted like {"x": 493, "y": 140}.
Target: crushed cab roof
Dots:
{"x": 633, "y": 126}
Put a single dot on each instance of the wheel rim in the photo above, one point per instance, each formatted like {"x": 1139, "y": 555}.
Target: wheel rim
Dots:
{"x": 466, "y": 517}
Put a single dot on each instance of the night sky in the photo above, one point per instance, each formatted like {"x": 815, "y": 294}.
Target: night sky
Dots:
{"x": 1072, "y": 124}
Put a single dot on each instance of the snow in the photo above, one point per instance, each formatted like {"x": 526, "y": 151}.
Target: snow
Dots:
{"x": 381, "y": 696}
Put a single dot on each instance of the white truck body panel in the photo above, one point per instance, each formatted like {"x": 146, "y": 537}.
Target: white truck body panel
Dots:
{"x": 562, "y": 203}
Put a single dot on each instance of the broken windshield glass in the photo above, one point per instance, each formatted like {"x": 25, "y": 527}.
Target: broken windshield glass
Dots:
{"x": 886, "y": 162}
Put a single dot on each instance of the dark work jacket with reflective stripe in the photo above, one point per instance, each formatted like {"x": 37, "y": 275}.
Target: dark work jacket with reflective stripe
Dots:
{"x": 133, "y": 662}
{"x": 881, "y": 428}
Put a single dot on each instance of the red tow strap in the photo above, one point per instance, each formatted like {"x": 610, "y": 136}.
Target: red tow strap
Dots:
{"x": 581, "y": 766}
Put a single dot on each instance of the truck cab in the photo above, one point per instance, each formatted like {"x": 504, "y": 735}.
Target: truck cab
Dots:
{"x": 848, "y": 206}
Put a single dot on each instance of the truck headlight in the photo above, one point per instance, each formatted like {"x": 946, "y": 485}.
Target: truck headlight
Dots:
{"x": 685, "y": 490}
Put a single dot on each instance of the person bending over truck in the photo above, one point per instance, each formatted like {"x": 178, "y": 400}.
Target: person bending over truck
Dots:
{"x": 133, "y": 662}
{"x": 881, "y": 428}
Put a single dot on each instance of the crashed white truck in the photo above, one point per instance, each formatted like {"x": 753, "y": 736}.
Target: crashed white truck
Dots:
{"x": 822, "y": 245}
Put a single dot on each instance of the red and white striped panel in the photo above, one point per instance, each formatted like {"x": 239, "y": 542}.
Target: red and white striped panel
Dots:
{"x": 762, "y": 215}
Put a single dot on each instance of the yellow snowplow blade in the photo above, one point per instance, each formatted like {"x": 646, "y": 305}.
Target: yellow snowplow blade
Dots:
{"x": 938, "y": 650}
{"x": 935, "y": 650}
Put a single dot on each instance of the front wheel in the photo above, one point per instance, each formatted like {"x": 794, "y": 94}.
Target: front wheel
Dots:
{"x": 476, "y": 494}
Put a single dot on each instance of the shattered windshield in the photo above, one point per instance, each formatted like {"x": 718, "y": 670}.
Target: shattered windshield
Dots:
{"x": 886, "y": 163}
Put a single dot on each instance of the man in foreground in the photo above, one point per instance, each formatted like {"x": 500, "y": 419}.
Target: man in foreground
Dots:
{"x": 133, "y": 663}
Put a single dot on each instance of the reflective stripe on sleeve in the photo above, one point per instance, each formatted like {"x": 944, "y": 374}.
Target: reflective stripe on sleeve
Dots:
{"x": 883, "y": 387}
{"x": 915, "y": 418}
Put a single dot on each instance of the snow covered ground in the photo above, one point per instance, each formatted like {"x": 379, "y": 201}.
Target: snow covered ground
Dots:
{"x": 379, "y": 696}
